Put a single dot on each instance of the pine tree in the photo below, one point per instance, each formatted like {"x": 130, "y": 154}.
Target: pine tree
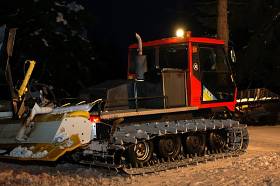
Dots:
{"x": 55, "y": 34}
{"x": 222, "y": 22}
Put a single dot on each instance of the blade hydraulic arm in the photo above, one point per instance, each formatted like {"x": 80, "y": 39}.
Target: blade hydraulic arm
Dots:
{"x": 23, "y": 86}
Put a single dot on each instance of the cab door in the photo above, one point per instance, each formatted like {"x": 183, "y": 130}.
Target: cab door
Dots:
{"x": 217, "y": 84}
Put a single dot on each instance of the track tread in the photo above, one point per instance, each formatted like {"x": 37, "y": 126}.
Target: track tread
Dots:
{"x": 128, "y": 135}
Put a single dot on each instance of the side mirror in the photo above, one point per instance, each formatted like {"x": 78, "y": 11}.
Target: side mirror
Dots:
{"x": 232, "y": 55}
{"x": 141, "y": 66}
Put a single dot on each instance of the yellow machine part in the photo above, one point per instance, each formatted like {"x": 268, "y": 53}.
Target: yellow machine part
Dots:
{"x": 23, "y": 86}
{"x": 55, "y": 150}
{"x": 55, "y": 117}
{"x": 79, "y": 114}
{"x": 58, "y": 150}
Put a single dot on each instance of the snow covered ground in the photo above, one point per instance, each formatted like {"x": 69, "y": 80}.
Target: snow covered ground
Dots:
{"x": 260, "y": 166}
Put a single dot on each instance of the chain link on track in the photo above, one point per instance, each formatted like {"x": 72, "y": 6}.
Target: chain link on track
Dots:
{"x": 180, "y": 162}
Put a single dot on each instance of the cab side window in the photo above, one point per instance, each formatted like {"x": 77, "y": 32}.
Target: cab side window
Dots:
{"x": 173, "y": 57}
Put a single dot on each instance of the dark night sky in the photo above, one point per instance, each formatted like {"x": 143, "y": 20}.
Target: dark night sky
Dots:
{"x": 113, "y": 24}
{"x": 111, "y": 29}
{"x": 151, "y": 19}
{"x": 119, "y": 20}
{"x": 155, "y": 20}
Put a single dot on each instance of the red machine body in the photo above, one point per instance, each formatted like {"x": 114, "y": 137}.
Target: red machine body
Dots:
{"x": 196, "y": 76}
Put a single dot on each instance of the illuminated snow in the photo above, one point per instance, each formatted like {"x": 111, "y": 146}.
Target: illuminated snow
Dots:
{"x": 45, "y": 42}
{"x": 24, "y": 152}
{"x": 61, "y": 137}
{"x": 60, "y": 18}
{"x": 66, "y": 144}
{"x": 75, "y": 7}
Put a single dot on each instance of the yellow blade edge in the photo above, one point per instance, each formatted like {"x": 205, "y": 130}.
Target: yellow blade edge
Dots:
{"x": 52, "y": 151}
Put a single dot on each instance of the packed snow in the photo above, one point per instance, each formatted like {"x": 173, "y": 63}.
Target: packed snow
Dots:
{"x": 24, "y": 152}
{"x": 61, "y": 137}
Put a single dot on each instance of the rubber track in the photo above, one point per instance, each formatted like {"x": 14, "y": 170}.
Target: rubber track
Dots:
{"x": 127, "y": 135}
{"x": 162, "y": 166}
{"x": 132, "y": 133}
{"x": 237, "y": 141}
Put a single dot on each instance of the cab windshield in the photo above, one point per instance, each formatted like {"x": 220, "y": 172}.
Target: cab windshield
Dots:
{"x": 160, "y": 57}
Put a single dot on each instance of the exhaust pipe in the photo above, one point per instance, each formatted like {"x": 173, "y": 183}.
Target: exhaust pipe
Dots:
{"x": 140, "y": 49}
{"x": 141, "y": 61}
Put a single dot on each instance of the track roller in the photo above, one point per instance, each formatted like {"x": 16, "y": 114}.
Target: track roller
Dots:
{"x": 194, "y": 144}
{"x": 169, "y": 146}
{"x": 217, "y": 140}
{"x": 140, "y": 153}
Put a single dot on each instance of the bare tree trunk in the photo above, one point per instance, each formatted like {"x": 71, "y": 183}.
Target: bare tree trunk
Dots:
{"x": 222, "y": 25}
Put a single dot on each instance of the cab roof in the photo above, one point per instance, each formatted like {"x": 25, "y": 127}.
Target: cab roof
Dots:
{"x": 176, "y": 40}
